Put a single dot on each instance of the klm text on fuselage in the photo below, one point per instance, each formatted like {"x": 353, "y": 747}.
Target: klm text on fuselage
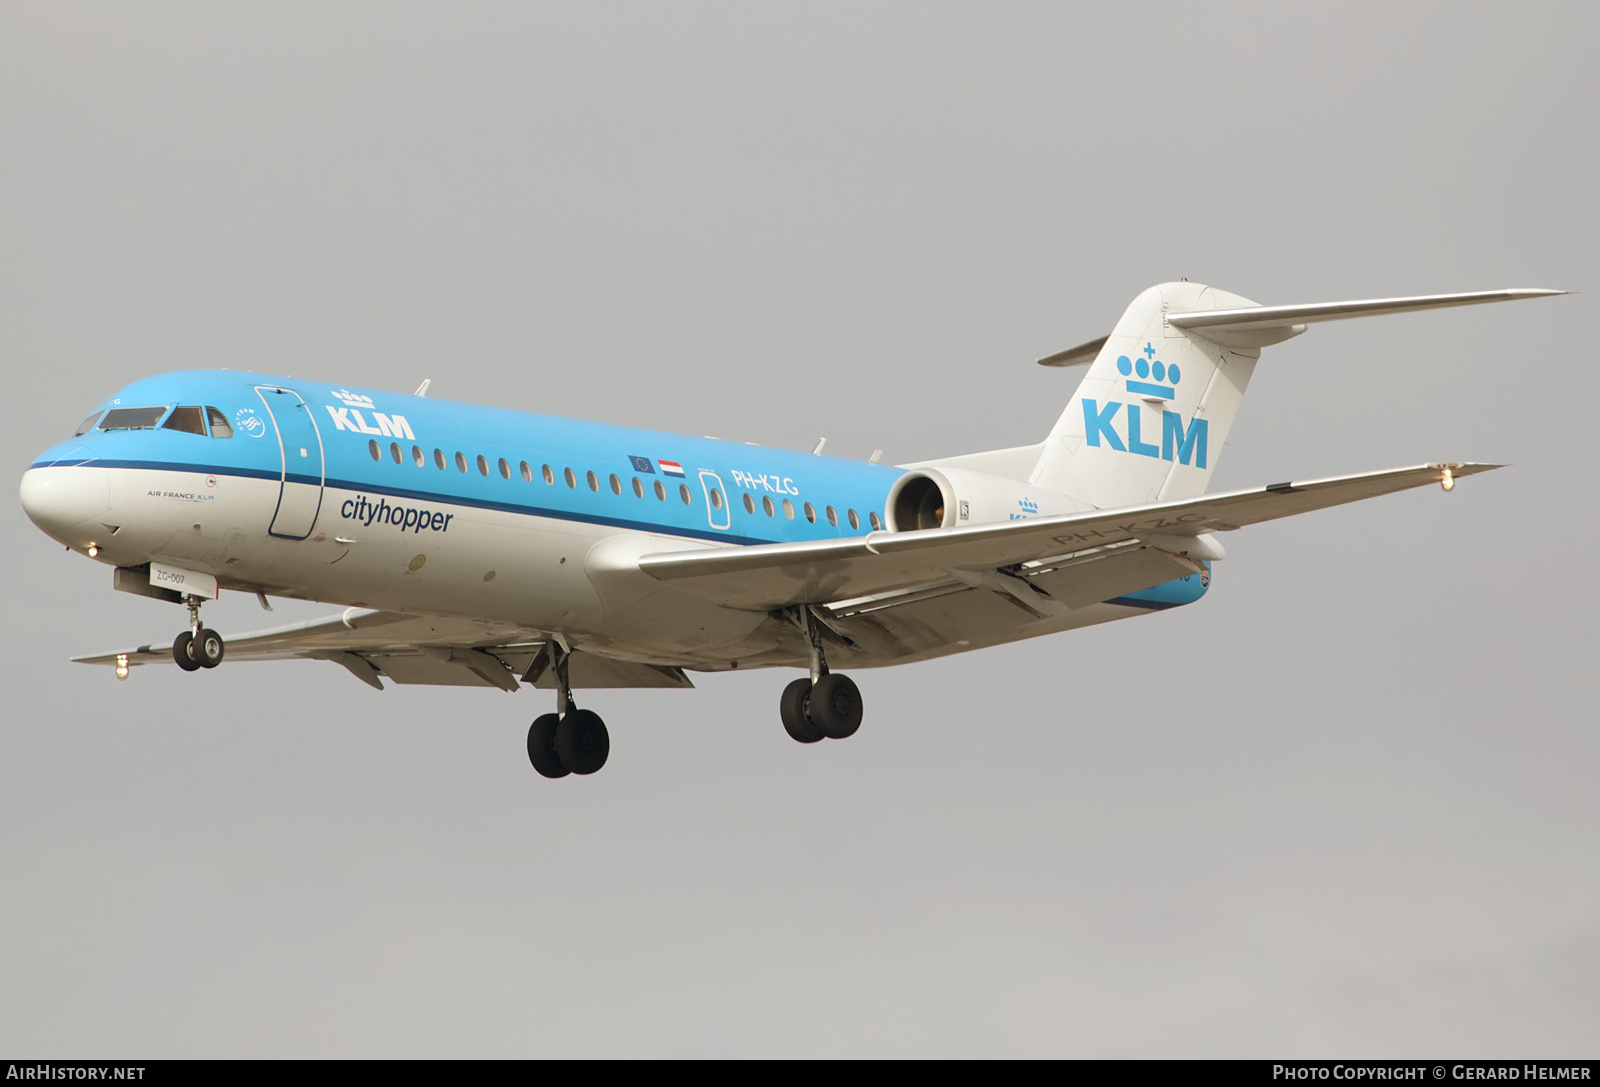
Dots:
{"x": 1176, "y": 441}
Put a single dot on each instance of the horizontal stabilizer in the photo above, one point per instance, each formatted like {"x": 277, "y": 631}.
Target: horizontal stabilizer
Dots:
{"x": 1261, "y": 326}
{"x": 1270, "y": 324}
{"x": 1081, "y": 355}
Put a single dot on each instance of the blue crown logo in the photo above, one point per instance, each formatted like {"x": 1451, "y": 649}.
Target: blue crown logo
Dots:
{"x": 1028, "y": 505}
{"x": 1164, "y": 378}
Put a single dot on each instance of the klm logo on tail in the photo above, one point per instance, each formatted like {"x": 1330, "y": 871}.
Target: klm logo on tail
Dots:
{"x": 1146, "y": 377}
{"x": 1166, "y": 377}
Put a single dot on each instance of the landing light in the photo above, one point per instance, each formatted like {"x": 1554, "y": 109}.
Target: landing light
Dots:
{"x": 94, "y": 549}
{"x": 1448, "y": 480}
{"x": 122, "y": 666}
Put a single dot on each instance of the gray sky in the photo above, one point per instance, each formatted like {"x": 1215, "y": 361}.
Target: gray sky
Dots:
{"x": 1345, "y": 805}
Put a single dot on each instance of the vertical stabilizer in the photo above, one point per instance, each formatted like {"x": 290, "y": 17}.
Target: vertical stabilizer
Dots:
{"x": 1149, "y": 420}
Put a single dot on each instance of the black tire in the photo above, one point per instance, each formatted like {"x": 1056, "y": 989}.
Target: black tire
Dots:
{"x": 792, "y": 708}
{"x": 835, "y": 706}
{"x": 542, "y": 747}
{"x": 582, "y": 741}
{"x": 183, "y": 652}
{"x": 208, "y": 648}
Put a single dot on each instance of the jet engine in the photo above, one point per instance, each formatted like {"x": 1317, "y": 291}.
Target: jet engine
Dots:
{"x": 943, "y": 497}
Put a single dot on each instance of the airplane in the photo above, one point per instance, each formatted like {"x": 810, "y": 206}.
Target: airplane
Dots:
{"x": 483, "y": 546}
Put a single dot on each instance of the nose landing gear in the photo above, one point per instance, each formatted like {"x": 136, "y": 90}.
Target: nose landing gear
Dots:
{"x": 569, "y": 741}
{"x": 198, "y": 647}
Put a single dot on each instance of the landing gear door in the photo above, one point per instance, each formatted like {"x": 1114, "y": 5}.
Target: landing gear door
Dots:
{"x": 300, "y": 443}
{"x": 716, "y": 498}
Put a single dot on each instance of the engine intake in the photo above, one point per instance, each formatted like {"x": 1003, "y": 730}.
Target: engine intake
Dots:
{"x": 944, "y": 497}
{"x": 918, "y": 501}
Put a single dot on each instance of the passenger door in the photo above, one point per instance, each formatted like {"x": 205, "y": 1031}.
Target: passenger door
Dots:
{"x": 300, "y": 444}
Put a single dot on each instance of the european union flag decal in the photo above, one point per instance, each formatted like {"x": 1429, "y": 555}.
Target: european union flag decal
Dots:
{"x": 642, "y": 464}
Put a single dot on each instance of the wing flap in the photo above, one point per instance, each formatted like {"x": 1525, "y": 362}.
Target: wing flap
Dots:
{"x": 777, "y": 575}
{"x": 415, "y": 649}
{"x": 591, "y": 671}
{"x": 372, "y": 644}
{"x": 1105, "y": 577}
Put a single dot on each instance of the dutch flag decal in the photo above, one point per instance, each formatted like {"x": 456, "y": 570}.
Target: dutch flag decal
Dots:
{"x": 670, "y": 467}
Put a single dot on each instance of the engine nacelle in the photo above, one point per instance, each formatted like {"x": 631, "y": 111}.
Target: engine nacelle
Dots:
{"x": 943, "y": 497}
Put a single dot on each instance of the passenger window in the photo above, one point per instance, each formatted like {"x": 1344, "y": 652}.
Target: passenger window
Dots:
{"x": 788, "y": 509}
{"x": 749, "y": 504}
{"x": 766, "y": 504}
{"x": 88, "y": 425}
{"x": 483, "y": 465}
{"x": 716, "y": 499}
{"x": 572, "y": 480}
{"x": 527, "y": 473}
{"x": 372, "y": 447}
{"x": 220, "y": 427}
{"x": 505, "y": 469}
{"x": 594, "y": 481}
{"x": 833, "y": 518}
{"x": 549, "y": 475}
{"x": 438, "y": 459}
{"x": 855, "y": 522}
{"x": 394, "y": 451}
{"x": 417, "y": 457}
{"x": 638, "y": 488}
{"x": 661, "y": 492}
{"x": 811, "y": 513}
{"x": 616, "y": 484}
{"x": 877, "y": 525}
{"x": 461, "y": 462}
{"x": 683, "y": 493}
{"x": 188, "y": 420}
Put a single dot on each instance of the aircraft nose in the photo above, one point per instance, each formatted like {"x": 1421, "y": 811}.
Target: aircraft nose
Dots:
{"x": 67, "y": 502}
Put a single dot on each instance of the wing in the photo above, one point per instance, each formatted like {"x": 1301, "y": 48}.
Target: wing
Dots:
{"x": 420, "y": 649}
{"x": 1004, "y": 555}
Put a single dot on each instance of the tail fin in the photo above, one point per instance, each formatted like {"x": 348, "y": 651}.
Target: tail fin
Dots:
{"x": 1148, "y": 422}
{"x": 1149, "y": 419}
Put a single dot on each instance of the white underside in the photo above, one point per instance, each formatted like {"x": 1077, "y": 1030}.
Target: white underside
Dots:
{"x": 504, "y": 578}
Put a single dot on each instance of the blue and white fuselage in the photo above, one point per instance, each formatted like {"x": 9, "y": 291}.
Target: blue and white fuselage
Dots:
{"x": 380, "y": 500}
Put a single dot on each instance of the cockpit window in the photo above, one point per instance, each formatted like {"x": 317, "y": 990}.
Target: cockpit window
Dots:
{"x": 187, "y": 419}
{"x": 132, "y": 418}
{"x": 87, "y": 425}
{"x": 220, "y": 427}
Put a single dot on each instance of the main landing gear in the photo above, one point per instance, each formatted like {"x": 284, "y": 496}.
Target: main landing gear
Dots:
{"x": 198, "y": 647}
{"x": 825, "y": 704}
{"x": 569, "y": 741}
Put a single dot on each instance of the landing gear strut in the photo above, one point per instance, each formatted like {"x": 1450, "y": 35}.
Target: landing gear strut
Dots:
{"x": 197, "y": 647}
{"x": 569, "y": 741}
{"x": 825, "y": 705}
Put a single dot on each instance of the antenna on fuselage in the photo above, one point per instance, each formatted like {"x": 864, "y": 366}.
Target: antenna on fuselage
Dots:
{"x": 817, "y": 452}
{"x": 422, "y": 390}
{"x": 877, "y": 455}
